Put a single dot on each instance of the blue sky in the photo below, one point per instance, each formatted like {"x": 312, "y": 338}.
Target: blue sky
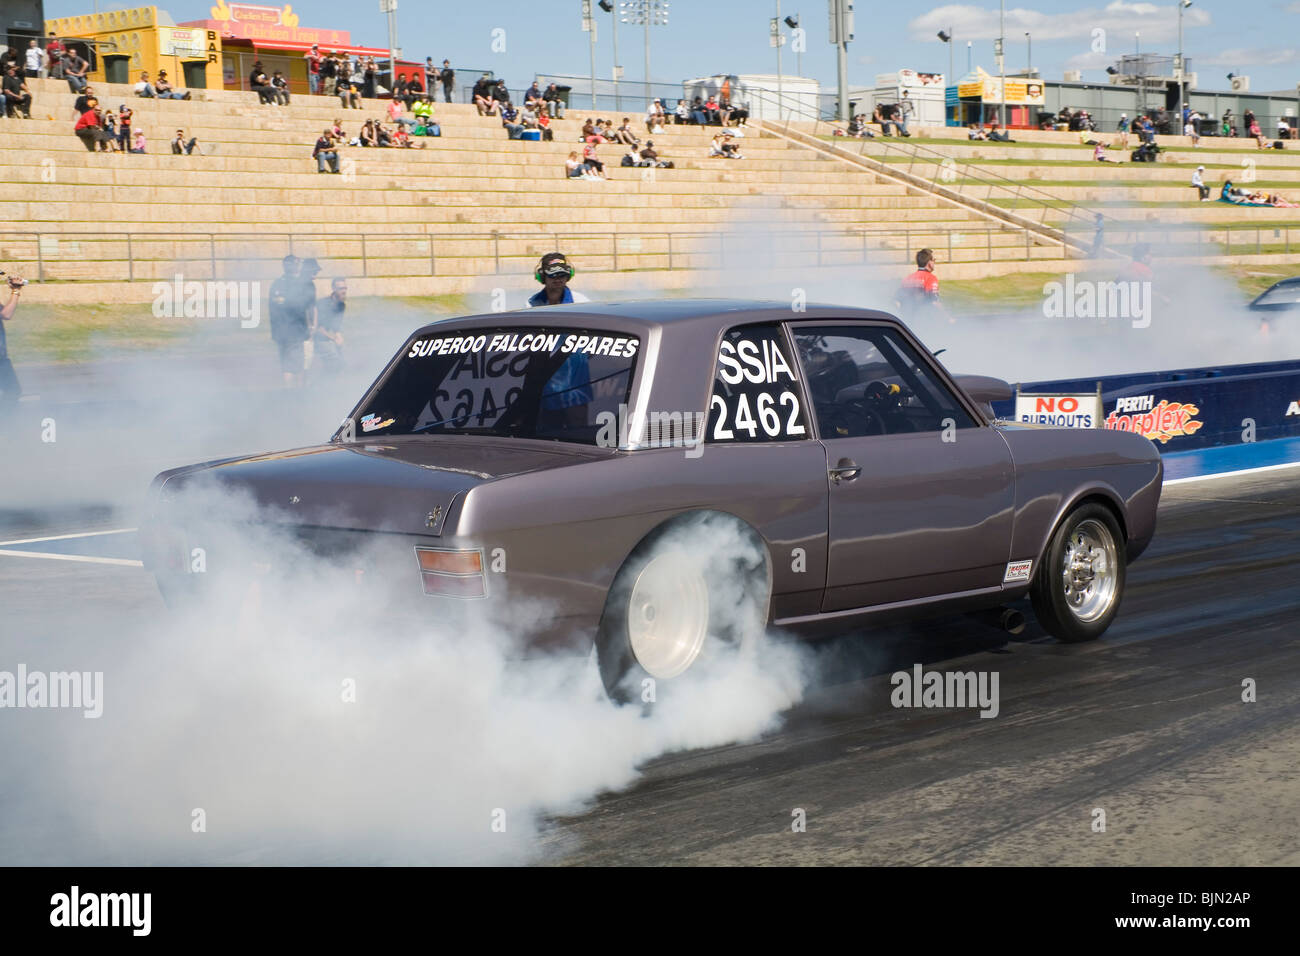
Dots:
{"x": 1259, "y": 38}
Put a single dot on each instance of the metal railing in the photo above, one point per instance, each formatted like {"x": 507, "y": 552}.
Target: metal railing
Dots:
{"x": 126, "y": 256}
{"x": 948, "y": 173}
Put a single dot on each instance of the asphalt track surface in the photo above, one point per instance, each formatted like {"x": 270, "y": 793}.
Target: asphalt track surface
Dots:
{"x": 1147, "y": 724}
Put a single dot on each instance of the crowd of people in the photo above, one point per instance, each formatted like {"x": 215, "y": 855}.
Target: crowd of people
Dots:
{"x": 307, "y": 332}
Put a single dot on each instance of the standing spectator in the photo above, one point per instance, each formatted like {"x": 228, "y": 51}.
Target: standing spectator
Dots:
{"x": 1122, "y": 128}
{"x": 54, "y": 57}
{"x": 1228, "y": 128}
{"x": 181, "y": 145}
{"x": 10, "y": 58}
{"x": 368, "y": 79}
{"x": 447, "y": 77}
{"x": 328, "y": 337}
{"x": 325, "y": 154}
{"x": 164, "y": 90}
{"x": 906, "y": 110}
{"x": 1248, "y": 119}
{"x": 124, "y": 119}
{"x": 10, "y": 390}
{"x": 109, "y": 143}
{"x": 74, "y": 70}
{"x": 329, "y": 74}
{"x": 313, "y": 69}
{"x": 288, "y": 312}
{"x": 280, "y": 88}
{"x": 1098, "y": 237}
{"x": 307, "y": 273}
{"x": 920, "y": 290}
{"x": 35, "y": 59}
{"x": 17, "y": 99}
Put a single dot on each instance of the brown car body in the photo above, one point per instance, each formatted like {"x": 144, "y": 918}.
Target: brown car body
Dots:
{"x": 924, "y": 527}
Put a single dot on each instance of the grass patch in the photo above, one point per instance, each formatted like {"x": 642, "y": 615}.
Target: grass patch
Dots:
{"x": 44, "y": 334}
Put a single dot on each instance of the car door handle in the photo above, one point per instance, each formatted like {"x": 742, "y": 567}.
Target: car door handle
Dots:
{"x": 846, "y": 469}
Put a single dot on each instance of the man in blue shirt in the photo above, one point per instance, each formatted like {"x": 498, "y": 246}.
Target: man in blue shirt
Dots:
{"x": 554, "y": 273}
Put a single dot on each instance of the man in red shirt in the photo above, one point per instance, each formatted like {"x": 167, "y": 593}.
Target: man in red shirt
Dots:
{"x": 313, "y": 68}
{"x": 920, "y": 290}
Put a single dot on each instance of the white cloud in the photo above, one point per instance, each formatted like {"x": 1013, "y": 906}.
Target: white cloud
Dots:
{"x": 1119, "y": 19}
{"x": 1243, "y": 59}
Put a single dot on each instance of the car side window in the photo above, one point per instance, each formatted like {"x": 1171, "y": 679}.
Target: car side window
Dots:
{"x": 756, "y": 396}
{"x": 868, "y": 380}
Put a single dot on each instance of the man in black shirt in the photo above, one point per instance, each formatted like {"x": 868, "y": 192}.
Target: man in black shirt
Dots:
{"x": 288, "y": 311}
{"x": 447, "y": 77}
{"x": 17, "y": 99}
{"x": 329, "y": 73}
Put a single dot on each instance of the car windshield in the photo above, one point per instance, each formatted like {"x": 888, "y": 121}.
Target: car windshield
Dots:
{"x": 1284, "y": 293}
{"x": 561, "y": 384}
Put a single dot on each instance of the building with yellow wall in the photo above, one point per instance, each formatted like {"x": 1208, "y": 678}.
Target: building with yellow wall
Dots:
{"x": 124, "y": 42}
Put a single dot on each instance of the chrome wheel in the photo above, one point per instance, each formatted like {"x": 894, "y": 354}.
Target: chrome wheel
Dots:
{"x": 668, "y": 615}
{"x": 1090, "y": 571}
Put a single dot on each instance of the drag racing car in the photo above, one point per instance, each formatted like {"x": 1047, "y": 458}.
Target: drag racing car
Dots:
{"x": 665, "y": 479}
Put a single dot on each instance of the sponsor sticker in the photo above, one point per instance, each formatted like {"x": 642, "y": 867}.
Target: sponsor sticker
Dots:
{"x": 1158, "y": 421}
{"x": 370, "y": 423}
{"x": 1017, "y": 571}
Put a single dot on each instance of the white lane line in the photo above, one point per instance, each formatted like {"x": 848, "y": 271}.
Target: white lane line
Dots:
{"x": 1233, "y": 474}
{"x": 49, "y": 556}
{"x": 65, "y": 537}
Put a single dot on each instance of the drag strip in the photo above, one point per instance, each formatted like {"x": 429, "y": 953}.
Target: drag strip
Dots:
{"x": 1147, "y": 725}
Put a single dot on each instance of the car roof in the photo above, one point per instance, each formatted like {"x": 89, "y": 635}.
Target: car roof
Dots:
{"x": 678, "y": 314}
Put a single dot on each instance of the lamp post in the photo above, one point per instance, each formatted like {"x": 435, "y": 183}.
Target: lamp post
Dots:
{"x": 645, "y": 13}
{"x": 608, "y": 7}
{"x": 1029, "y": 55}
{"x": 1182, "y": 66}
{"x": 1002, "y": 63}
{"x": 946, "y": 37}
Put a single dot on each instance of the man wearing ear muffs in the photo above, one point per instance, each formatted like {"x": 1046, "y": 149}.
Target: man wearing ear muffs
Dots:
{"x": 554, "y": 273}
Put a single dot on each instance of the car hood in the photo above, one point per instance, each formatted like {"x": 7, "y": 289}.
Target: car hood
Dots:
{"x": 404, "y": 485}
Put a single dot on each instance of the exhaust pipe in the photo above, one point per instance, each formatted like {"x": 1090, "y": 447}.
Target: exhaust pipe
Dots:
{"x": 1006, "y": 619}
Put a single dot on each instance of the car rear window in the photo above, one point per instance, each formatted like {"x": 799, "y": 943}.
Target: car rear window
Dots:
{"x": 562, "y": 384}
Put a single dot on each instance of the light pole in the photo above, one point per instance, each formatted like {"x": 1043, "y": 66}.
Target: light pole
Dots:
{"x": 1142, "y": 75}
{"x": 1029, "y": 55}
{"x": 1002, "y": 63}
{"x": 608, "y": 7}
{"x": 778, "y": 41}
{"x": 946, "y": 37}
{"x": 1182, "y": 67}
{"x": 793, "y": 24}
{"x": 645, "y": 13}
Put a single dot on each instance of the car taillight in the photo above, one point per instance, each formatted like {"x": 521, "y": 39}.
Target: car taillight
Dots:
{"x": 451, "y": 573}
